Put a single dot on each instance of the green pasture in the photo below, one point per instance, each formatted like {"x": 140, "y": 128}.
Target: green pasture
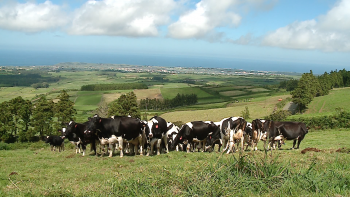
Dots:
{"x": 170, "y": 93}
{"x": 36, "y": 171}
{"x": 87, "y": 100}
{"x": 337, "y": 98}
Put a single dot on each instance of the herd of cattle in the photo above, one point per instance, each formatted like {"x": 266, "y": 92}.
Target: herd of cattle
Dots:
{"x": 134, "y": 136}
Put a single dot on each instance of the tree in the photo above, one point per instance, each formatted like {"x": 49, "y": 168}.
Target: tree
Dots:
{"x": 63, "y": 109}
{"x": 42, "y": 116}
{"x": 125, "y": 105}
{"x": 6, "y": 121}
{"x": 305, "y": 92}
{"x": 245, "y": 113}
{"x": 20, "y": 110}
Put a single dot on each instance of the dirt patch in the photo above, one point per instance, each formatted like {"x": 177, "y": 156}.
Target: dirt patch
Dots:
{"x": 343, "y": 150}
{"x": 148, "y": 93}
{"x": 70, "y": 156}
{"x": 310, "y": 149}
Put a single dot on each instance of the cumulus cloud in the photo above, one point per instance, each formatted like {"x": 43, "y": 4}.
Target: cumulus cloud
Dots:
{"x": 31, "y": 18}
{"x": 330, "y": 32}
{"x": 122, "y": 18}
{"x": 201, "y": 22}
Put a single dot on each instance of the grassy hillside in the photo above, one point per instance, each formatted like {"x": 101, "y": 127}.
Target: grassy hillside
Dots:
{"x": 326, "y": 105}
{"x": 257, "y": 109}
{"x": 38, "y": 171}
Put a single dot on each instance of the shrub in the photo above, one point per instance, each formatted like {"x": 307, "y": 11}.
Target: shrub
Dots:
{"x": 4, "y": 146}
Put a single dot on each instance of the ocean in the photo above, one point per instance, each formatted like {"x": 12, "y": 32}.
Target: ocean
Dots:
{"x": 36, "y": 58}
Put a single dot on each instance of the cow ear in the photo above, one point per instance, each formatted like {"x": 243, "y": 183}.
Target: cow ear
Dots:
{"x": 156, "y": 126}
{"x": 100, "y": 120}
{"x": 76, "y": 125}
{"x": 210, "y": 137}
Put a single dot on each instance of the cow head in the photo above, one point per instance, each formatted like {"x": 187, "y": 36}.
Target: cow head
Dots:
{"x": 153, "y": 128}
{"x": 179, "y": 136}
{"x": 69, "y": 129}
{"x": 47, "y": 139}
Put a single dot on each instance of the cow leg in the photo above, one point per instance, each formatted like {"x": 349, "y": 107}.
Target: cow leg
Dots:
{"x": 299, "y": 140}
{"x": 141, "y": 145}
{"x": 120, "y": 142}
{"x": 159, "y": 141}
{"x": 84, "y": 148}
{"x": 165, "y": 139}
{"x": 111, "y": 149}
{"x": 224, "y": 144}
{"x": 294, "y": 141}
{"x": 188, "y": 147}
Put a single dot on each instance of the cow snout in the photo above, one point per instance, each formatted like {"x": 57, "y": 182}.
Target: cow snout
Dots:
{"x": 150, "y": 135}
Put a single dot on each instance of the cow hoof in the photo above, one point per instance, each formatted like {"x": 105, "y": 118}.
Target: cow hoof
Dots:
{"x": 121, "y": 156}
{"x": 158, "y": 153}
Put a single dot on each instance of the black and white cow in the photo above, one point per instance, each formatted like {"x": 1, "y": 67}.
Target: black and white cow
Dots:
{"x": 55, "y": 141}
{"x": 86, "y": 136}
{"x": 196, "y": 131}
{"x": 73, "y": 138}
{"x": 156, "y": 131}
{"x": 172, "y": 131}
{"x": 236, "y": 135}
{"x": 257, "y": 133}
{"x": 226, "y": 125}
{"x": 271, "y": 134}
{"x": 119, "y": 130}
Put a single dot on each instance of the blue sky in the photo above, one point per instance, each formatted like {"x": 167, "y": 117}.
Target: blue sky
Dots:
{"x": 315, "y": 32}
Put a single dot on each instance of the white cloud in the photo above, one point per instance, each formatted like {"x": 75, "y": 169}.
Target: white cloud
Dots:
{"x": 208, "y": 15}
{"x": 30, "y": 17}
{"x": 122, "y": 18}
{"x": 330, "y": 33}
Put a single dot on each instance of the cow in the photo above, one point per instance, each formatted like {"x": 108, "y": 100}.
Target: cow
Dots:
{"x": 196, "y": 131}
{"x": 156, "y": 132}
{"x": 55, "y": 141}
{"x": 272, "y": 132}
{"x": 119, "y": 130}
{"x": 86, "y": 136}
{"x": 172, "y": 131}
{"x": 236, "y": 135}
{"x": 295, "y": 131}
{"x": 226, "y": 124}
{"x": 256, "y": 133}
{"x": 72, "y": 139}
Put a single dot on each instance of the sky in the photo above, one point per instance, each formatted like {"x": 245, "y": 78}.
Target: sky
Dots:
{"x": 292, "y": 35}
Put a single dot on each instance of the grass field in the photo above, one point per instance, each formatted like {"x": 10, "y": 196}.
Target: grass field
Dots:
{"x": 336, "y": 98}
{"x": 257, "y": 109}
{"x": 38, "y": 172}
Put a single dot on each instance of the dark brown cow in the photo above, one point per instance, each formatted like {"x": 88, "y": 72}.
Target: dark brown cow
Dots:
{"x": 289, "y": 130}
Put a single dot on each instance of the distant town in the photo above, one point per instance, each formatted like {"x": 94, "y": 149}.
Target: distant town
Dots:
{"x": 79, "y": 66}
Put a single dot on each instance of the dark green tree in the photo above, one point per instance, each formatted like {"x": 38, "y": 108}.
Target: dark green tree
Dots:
{"x": 125, "y": 105}
{"x": 42, "y": 116}
{"x": 21, "y": 111}
{"x": 6, "y": 121}
{"x": 306, "y": 91}
{"x": 63, "y": 110}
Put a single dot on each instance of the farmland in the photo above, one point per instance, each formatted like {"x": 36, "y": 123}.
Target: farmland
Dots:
{"x": 31, "y": 169}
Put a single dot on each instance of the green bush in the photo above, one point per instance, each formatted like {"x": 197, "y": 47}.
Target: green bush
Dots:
{"x": 4, "y": 146}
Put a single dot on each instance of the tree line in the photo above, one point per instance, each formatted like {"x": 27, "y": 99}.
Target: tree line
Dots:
{"x": 25, "y": 120}
{"x": 309, "y": 86}
{"x": 179, "y": 100}
{"x": 26, "y": 80}
{"x": 120, "y": 86}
